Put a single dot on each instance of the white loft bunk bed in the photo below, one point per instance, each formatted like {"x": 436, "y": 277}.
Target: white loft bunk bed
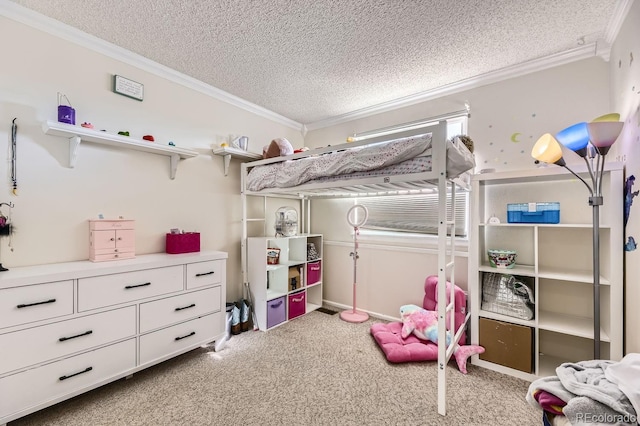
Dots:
{"x": 443, "y": 160}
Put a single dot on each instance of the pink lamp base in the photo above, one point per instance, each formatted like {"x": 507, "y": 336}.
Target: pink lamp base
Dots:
{"x": 354, "y": 316}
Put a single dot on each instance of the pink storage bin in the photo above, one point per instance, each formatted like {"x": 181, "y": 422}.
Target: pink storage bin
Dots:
{"x": 297, "y": 304}
{"x": 188, "y": 242}
{"x": 313, "y": 272}
{"x": 275, "y": 312}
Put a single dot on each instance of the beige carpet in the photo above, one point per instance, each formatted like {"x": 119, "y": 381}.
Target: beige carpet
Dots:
{"x": 315, "y": 370}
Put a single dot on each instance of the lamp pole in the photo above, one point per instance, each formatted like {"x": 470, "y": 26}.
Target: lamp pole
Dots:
{"x": 596, "y": 201}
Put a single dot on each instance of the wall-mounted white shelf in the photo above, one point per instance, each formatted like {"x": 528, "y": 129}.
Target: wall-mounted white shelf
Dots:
{"x": 228, "y": 152}
{"x": 75, "y": 134}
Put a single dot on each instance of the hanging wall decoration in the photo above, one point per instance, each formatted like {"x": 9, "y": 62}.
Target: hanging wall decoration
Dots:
{"x": 14, "y": 171}
{"x": 129, "y": 88}
{"x": 629, "y": 195}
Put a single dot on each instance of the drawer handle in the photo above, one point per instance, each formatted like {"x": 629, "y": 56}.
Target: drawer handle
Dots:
{"x": 184, "y": 337}
{"x": 205, "y": 273}
{"x": 86, "y": 333}
{"x": 26, "y": 305}
{"x": 300, "y": 299}
{"x": 135, "y": 285}
{"x": 276, "y": 305}
{"x": 86, "y": 370}
{"x": 112, "y": 239}
{"x": 193, "y": 305}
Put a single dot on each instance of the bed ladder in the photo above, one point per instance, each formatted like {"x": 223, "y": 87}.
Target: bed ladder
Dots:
{"x": 446, "y": 268}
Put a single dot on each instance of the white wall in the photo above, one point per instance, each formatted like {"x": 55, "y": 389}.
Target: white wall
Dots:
{"x": 521, "y": 108}
{"x": 625, "y": 98}
{"x": 55, "y": 201}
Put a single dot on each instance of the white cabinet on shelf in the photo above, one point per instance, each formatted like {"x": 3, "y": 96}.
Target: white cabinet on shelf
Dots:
{"x": 67, "y": 328}
{"x": 290, "y": 288}
{"x": 557, "y": 259}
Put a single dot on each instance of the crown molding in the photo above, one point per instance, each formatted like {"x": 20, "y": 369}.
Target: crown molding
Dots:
{"x": 58, "y": 29}
{"x": 582, "y": 52}
{"x": 617, "y": 19}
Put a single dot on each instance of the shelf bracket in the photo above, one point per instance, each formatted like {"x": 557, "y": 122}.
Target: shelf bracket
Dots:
{"x": 174, "y": 159}
{"x": 227, "y": 160}
{"x": 74, "y": 143}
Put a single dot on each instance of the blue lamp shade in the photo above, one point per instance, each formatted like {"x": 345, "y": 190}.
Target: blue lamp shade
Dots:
{"x": 575, "y": 137}
{"x": 603, "y": 134}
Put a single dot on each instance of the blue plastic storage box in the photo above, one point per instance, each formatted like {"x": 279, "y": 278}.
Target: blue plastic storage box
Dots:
{"x": 533, "y": 213}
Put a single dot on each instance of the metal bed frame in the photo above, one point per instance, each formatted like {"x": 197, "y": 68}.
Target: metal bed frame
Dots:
{"x": 435, "y": 180}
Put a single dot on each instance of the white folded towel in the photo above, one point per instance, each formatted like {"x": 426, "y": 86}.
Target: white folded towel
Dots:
{"x": 626, "y": 374}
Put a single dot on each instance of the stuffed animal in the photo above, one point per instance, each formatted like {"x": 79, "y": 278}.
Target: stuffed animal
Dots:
{"x": 424, "y": 325}
{"x": 421, "y": 322}
{"x": 277, "y": 147}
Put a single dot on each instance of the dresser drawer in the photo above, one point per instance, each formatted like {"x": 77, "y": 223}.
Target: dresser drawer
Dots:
{"x": 201, "y": 274}
{"x": 31, "y": 388}
{"x": 164, "y": 312}
{"x": 169, "y": 341}
{"x": 38, "y": 344}
{"x": 107, "y": 290}
{"x": 22, "y": 305}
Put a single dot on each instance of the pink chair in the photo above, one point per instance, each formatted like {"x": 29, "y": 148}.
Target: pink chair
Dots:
{"x": 397, "y": 349}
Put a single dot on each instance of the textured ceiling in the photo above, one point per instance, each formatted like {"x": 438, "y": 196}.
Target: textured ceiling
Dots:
{"x": 312, "y": 60}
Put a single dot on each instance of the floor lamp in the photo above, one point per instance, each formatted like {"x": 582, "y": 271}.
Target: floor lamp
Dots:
{"x": 591, "y": 141}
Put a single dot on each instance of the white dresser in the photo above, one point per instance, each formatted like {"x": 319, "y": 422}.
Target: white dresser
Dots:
{"x": 67, "y": 328}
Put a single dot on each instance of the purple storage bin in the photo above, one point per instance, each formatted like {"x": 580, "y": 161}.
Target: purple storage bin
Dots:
{"x": 276, "y": 312}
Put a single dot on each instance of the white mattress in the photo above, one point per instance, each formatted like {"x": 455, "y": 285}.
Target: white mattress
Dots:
{"x": 400, "y": 156}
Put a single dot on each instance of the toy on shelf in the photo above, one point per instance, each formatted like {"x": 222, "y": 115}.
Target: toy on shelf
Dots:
{"x": 66, "y": 113}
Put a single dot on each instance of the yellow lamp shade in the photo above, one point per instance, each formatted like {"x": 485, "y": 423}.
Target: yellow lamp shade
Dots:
{"x": 614, "y": 116}
{"x": 548, "y": 150}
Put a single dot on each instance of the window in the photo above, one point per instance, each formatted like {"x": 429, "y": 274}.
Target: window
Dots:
{"x": 416, "y": 213}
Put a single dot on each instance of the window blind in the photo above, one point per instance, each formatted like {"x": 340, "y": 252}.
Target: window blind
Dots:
{"x": 415, "y": 213}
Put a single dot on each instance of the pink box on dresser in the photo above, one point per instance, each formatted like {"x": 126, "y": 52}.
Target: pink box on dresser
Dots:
{"x": 111, "y": 239}
{"x": 188, "y": 242}
{"x": 313, "y": 272}
{"x": 297, "y": 304}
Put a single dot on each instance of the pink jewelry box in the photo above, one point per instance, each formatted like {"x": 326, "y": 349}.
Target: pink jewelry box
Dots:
{"x": 183, "y": 243}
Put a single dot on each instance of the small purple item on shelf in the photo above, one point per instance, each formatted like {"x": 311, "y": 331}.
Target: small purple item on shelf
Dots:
{"x": 66, "y": 113}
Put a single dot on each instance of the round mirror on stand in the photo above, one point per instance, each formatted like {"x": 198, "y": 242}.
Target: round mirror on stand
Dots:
{"x": 356, "y": 217}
